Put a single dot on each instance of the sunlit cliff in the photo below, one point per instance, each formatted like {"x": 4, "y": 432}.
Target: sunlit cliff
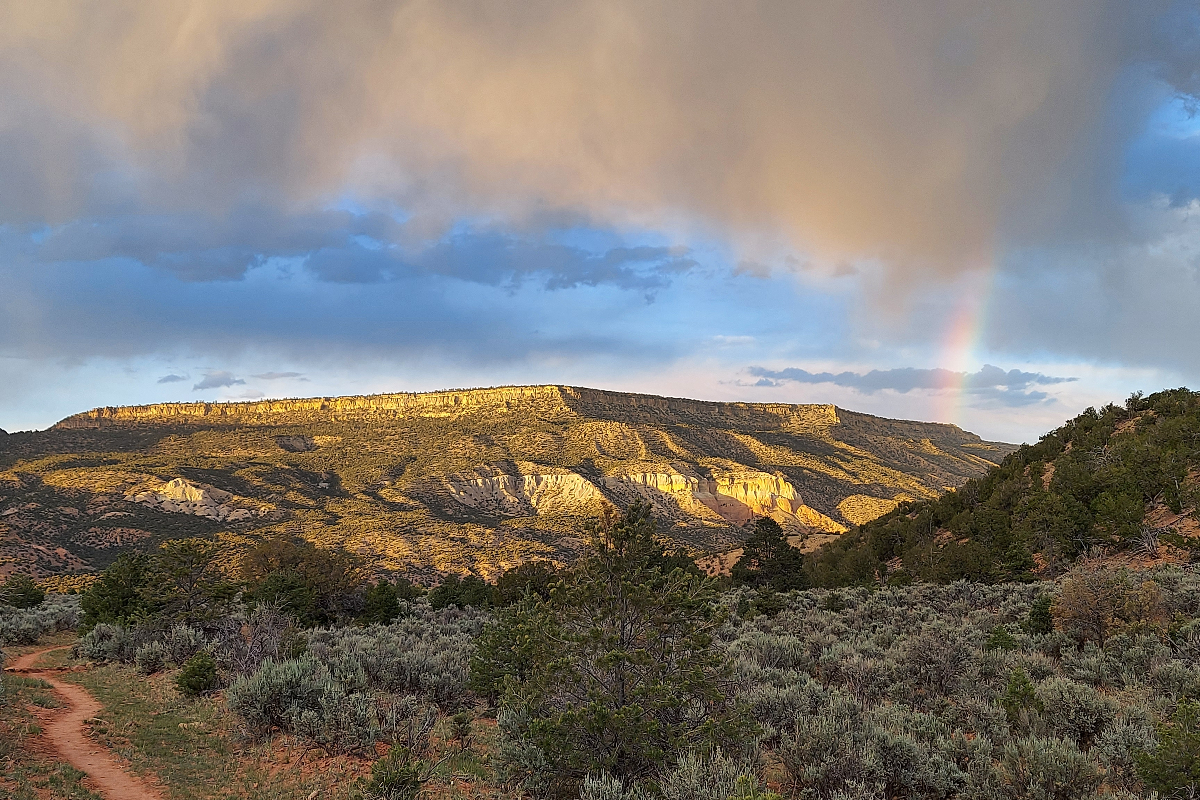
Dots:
{"x": 454, "y": 481}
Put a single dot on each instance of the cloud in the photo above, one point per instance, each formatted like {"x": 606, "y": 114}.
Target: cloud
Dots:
{"x": 958, "y": 126}
{"x": 990, "y": 382}
{"x": 493, "y": 183}
{"x": 218, "y": 380}
{"x": 495, "y": 259}
{"x": 172, "y": 379}
{"x": 277, "y": 376}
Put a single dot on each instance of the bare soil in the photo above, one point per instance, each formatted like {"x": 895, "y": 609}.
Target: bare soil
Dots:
{"x": 66, "y": 729}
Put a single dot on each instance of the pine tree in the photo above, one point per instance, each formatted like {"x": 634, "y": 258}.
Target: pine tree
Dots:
{"x": 769, "y": 561}
{"x": 622, "y": 673}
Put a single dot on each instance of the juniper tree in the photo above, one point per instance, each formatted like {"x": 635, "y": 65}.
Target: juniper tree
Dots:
{"x": 621, "y": 671}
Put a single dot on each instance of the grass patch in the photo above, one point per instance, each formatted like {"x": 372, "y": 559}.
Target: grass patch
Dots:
{"x": 27, "y": 773}
{"x": 194, "y": 748}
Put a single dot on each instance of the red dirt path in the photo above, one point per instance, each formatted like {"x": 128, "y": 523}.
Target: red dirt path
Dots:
{"x": 65, "y": 730}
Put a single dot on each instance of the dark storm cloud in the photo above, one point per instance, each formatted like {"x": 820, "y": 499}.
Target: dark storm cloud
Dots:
{"x": 493, "y": 259}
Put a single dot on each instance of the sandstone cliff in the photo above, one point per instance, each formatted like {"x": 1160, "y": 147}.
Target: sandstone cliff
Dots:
{"x": 461, "y": 480}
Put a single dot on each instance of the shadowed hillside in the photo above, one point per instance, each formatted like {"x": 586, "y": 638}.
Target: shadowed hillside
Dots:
{"x": 1122, "y": 481}
{"x": 462, "y": 480}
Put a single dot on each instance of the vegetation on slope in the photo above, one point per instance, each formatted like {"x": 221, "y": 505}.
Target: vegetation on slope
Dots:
{"x": 441, "y": 489}
{"x": 1121, "y": 478}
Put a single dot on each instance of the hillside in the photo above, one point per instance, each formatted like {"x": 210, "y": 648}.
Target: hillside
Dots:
{"x": 1123, "y": 481}
{"x": 461, "y": 480}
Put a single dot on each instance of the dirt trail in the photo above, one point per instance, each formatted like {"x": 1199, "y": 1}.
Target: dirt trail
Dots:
{"x": 65, "y": 729}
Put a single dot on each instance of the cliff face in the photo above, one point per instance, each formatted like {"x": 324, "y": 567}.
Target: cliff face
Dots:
{"x": 460, "y": 480}
{"x": 594, "y": 403}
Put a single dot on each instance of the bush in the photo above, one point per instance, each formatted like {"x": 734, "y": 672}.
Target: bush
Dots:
{"x": 19, "y": 591}
{"x": 106, "y": 642}
{"x": 1041, "y": 619}
{"x": 1173, "y": 768}
{"x": 278, "y": 693}
{"x": 396, "y": 776}
{"x": 708, "y": 777}
{"x": 1000, "y": 639}
{"x": 532, "y": 577}
{"x": 471, "y": 591}
{"x": 117, "y": 597}
{"x": 150, "y": 658}
{"x": 198, "y": 676}
{"x": 1047, "y": 769}
{"x": 316, "y": 585}
{"x": 182, "y": 642}
{"x": 1074, "y": 710}
{"x": 382, "y": 603}
{"x": 353, "y": 686}
{"x": 20, "y": 626}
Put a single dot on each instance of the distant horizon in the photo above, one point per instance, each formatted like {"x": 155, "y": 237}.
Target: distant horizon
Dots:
{"x": 468, "y": 389}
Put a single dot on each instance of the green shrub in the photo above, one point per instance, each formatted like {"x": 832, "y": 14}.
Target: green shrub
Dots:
{"x": 150, "y": 658}
{"x": 396, "y": 776}
{"x": 1000, "y": 639}
{"x": 117, "y": 597}
{"x": 460, "y": 729}
{"x": 316, "y": 585}
{"x": 382, "y": 603}
{"x": 1173, "y": 767}
{"x": 1019, "y": 695}
{"x": 1041, "y": 618}
{"x": 534, "y": 577}
{"x": 198, "y": 676}
{"x": 19, "y": 591}
{"x": 471, "y": 591}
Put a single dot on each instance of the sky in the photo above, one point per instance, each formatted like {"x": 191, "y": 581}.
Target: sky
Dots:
{"x": 977, "y": 212}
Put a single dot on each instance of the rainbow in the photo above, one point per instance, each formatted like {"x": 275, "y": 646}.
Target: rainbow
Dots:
{"x": 961, "y": 341}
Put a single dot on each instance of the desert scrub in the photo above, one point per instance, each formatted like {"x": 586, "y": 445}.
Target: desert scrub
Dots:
{"x": 910, "y": 691}
{"x": 355, "y": 686}
{"x": 194, "y": 747}
{"x": 22, "y": 626}
{"x": 150, "y": 657}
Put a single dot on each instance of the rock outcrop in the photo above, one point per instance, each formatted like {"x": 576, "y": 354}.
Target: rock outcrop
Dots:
{"x": 735, "y": 497}
{"x": 180, "y": 496}
{"x": 525, "y": 494}
{"x": 296, "y": 444}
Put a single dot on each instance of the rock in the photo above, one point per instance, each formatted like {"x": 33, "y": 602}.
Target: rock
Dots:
{"x": 488, "y": 489}
{"x": 181, "y": 496}
{"x": 296, "y": 444}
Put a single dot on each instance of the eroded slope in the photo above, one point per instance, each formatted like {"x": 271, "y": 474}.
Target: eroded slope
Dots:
{"x": 454, "y": 481}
